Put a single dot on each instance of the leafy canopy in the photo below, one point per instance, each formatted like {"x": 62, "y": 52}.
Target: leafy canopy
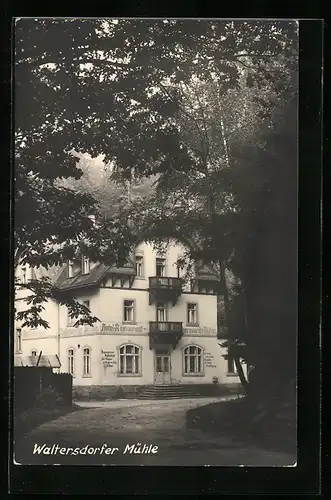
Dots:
{"x": 116, "y": 88}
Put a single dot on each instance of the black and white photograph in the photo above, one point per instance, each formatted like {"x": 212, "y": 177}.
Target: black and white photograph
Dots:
{"x": 155, "y": 242}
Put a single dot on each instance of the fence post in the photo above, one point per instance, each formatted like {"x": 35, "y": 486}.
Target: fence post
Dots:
{"x": 38, "y": 360}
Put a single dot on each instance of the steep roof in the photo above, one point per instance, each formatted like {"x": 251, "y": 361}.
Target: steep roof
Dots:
{"x": 97, "y": 273}
{"x": 51, "y": 361}
{"x": 53, "y": 272}
{"x": 206, "y": 273}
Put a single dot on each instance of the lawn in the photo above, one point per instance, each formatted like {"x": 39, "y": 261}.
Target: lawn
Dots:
{"x": 33, "y": 417}
{"x": 242, "y": 421}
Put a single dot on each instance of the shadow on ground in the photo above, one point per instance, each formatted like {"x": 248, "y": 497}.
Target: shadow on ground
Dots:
{"x": 160, "y": 423}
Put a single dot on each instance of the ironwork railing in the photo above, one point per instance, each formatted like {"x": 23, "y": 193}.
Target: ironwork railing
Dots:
{"x": 165, "y": 283}
{"x": 175, "y": 327}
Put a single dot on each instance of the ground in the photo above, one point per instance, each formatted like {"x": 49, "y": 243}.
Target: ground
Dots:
{"x": 158, "y": 423}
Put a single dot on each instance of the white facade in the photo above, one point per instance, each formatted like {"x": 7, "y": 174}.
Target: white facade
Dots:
{"x": 147, "y": 333}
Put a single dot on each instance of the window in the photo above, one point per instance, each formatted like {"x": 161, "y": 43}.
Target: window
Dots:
{"x": 192, "y": 314}
{"x": 70, "y": 269}
{"x": 193, "y": 360}
{"x": 18, "y": 340}
{"x": 85, "y": 265}
{"x": 87, "y": 361}
{"x": 160, "y": 267}
{"x": 139, "y": 266}
{"x": 23, "y": 276}
{"x": 161, "y": 312}
{"x": 128, "y": 311}
{"x": 71, "y": 361}
{"x": 34, "y": 353}
{"x": 129, "y": 360}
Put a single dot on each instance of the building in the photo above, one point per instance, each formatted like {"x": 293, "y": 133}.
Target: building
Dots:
{"x": 153, "y": 328}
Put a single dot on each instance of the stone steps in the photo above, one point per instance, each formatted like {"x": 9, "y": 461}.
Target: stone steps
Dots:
{"x": 168, "y": 396}
{"x": 176, "y": 392}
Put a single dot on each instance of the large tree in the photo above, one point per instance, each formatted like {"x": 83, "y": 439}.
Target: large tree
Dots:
{"x": 233, "y": 206}
{"x": 94, "y": 86}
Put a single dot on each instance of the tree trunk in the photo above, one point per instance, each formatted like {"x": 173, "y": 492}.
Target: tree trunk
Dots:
{"x": 244, "y": 382}
{"x": 239, "y": 368}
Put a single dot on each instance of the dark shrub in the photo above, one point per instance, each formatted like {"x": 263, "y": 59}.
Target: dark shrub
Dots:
{"x": 49, "y": 398}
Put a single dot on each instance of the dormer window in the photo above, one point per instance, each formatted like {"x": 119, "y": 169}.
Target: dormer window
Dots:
{"x": 70, "y": 269}
{"x": 85, "y": 265}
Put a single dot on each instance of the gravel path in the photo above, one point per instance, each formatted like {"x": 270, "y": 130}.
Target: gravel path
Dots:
{"x": 116, "y": 424}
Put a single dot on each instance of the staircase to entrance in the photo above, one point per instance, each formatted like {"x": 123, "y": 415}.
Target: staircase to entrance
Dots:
{"x": 168, "y": 391}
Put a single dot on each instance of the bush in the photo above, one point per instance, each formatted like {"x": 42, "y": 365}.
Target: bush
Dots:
{"x": 49, "y": 398}
{"x": 270, "y": 426}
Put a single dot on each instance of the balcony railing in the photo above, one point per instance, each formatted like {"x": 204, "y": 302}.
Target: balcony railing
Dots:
{"x": 164, "y": 289}
{"x": 160, "y": 282}
{"x": 167, "y": 327}
{"x": 165, "y": 333}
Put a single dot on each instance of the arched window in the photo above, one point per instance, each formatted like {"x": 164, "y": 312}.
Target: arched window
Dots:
{"x": 193, "y": 360}
{"x": 71, "y": 361}
{"x": 129, "y": 359}
{"x": 87, "y": 361}
{"x": 34, "y": 353}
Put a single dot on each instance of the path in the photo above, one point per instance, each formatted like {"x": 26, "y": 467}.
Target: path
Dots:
{"x": 116, "y": 424}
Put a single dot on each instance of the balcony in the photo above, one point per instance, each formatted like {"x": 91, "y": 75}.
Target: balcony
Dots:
{"x": 165, "y": 333}
{"x": 202, "y": 284}
{"x": 164, "y": 289}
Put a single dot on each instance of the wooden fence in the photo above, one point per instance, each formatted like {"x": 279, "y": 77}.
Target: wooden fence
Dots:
{"x": 30, "y": 384}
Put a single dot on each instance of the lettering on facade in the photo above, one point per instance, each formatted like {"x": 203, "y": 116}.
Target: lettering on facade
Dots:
{"x": 204, "y": 329}
{"x": 108, "y": 358}
{"x": 116, "y": 327}
{"x": 209, "y": 360}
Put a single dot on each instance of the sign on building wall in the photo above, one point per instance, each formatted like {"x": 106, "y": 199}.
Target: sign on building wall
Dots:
{"x": 209, "y": 360}
{"x": 108, "y": 358}
{"x": 118, "y": 328}
{"x": 104, "y": 328}
{"x": 203, "y": 329}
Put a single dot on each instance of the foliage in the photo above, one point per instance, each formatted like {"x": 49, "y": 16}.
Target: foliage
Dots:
{"x": 110, "y": 196}
{"x": 271, "y": 424}
{"x": 40, "y": 292}
{"x": 95, "y": 85}
{"x": 205, "y": 107}
{"x": 242, "y": 176}
{"x": 48, "y": 398}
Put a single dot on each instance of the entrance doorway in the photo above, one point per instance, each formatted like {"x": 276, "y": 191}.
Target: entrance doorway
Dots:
{"x": 162, "y": 368}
